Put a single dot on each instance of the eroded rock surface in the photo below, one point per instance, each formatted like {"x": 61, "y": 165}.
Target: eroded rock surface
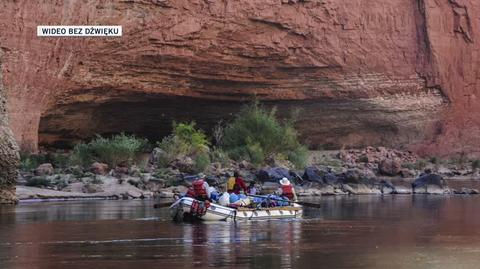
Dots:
{"x": 365, "y": 72}
{"x": 8, "y": 152}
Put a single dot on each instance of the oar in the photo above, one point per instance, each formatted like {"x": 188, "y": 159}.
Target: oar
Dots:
{"x": 307, "y": 204}
{"x": 160, "y": 205}
{"x": 298, "y": 177}
{"x": 283, "y": 200}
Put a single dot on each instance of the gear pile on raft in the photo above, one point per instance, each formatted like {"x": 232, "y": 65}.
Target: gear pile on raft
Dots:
{"x": 238, "y": 202}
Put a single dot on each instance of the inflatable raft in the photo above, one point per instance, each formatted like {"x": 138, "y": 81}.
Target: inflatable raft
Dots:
{"x": 189, "y": 209}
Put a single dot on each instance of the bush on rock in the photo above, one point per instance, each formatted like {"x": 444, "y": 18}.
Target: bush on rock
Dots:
{"x": 256, "y": 134}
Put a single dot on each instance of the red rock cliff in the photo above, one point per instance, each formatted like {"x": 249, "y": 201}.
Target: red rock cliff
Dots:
{"x": 8, "y": 151}
{"x": 365, "y": 72}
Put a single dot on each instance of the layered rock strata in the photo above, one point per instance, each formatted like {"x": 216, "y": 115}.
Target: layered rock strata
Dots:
{"x": 365, "y": 72}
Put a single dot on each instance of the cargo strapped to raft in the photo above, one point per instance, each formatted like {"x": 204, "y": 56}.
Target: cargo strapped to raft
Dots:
{"x": 199, "y": 208}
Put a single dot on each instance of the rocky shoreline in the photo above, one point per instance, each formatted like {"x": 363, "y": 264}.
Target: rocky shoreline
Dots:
{"x": 370, "y": 171}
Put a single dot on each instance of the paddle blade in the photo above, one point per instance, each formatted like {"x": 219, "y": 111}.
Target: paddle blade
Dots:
{"x": 161, "y": 205}
{"x": 309, "y": 204}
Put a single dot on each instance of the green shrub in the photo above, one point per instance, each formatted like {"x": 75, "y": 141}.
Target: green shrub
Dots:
{"x": 460, "y": 160}
{"x": 410, "y": 166}
{"x": 299, "y": 156}
{"x": 256, "y": 134}
{"x": 194, "y": 138}
{"x": 59, "y": 160}
{"x": 476, "y": 164}
{"x": 255, "y": 152}
{"x": 120, "y": 149}
{"x": 418, "y": 165}
{"x": 185, "y": 140}
{"x": 202, "y": 160}
{"x": 329, "y": 161}
{"x": 219, "y": 155}
{"x": 83, "y": 154}
{"x": 171, "y": 148}
{"x": 167, "y": 175}
{"x": 435, "y": 160}
{"x": 29, "y": 161}
{"x": 38, "y": 182}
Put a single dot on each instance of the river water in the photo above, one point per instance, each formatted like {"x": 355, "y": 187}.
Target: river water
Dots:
{"x": 420, "y": 231}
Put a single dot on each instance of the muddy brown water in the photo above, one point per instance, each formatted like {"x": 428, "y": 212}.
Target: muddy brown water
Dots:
{"x": 403, "y": 231}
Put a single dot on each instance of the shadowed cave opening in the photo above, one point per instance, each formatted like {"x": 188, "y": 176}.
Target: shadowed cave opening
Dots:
{"x": 148, "y": 116}
{"x": 322, "y": 124}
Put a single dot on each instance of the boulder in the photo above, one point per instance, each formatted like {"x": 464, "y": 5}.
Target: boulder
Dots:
{"x": 349, "y": 189}
{"x": 134, "y": 181}
{"x": 358, "y": 176}
{"x": 407, "y": 173}
{"x": 466, "y": 191}
{"x": 390, "y": 167}
{"x": 246, "y": 165}
{"x": 92, "y": 188}
{"x": 155, "y": 156}
{"x": 135, "y": 194}
{"x": 402, "y": 190}
{"x": 387, "y": 190}
{"x": 146, "y": 177}
{"x": 166, "y": 194}
{"x": 327, "y": 190}
{"x": 339, "y": 191}
{"x": 330, "y": 178}
{"x": 360, "y": 189}
{"x": 184, "y": 164}
{"x": 39, "y": 181}
{"x": 428, "y": 179}
{"x": 134, "y": 171}
{"x": 76, "y": 170}
{"x": 99, "y": 168}
{"x": 179, "y": 189}
{"x": 312, "y": 174}
{"x": 155, "y": 185}
{"x": 431, "y": 189}
{"x": 45, "y": 169}
{"x": 306, "y": 191}
{"x": 121, "y": 170}
{"x": 74, "y": 187}
{"x": 273, "y": 174}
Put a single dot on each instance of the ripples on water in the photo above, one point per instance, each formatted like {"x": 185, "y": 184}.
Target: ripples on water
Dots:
{"x": 348, "y": 232}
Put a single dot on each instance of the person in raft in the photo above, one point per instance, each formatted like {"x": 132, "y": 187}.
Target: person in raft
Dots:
{"x": 236, "y": 184}
{"x": 199, "y": 190}
{"x": 252, "y": 190}
{"x": 286, "y": 190}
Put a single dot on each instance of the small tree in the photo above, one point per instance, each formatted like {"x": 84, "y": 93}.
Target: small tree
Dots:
{"x": 476, "y": 164}
{"x": 256, "y": 134}
{"x": 120, "y": 149}
{"x": 185, "y": 140}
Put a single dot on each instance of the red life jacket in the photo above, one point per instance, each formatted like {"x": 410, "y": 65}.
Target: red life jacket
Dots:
{"x": 199, "y": 189}
{"x": 239, "y": 184}
{"x": 287, "y": 191}
{"x": 190, "y": 193}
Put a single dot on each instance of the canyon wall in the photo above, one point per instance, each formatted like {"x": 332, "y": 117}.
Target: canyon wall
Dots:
{"x": 398, "y": 73}
{"x": 8, "y": 151}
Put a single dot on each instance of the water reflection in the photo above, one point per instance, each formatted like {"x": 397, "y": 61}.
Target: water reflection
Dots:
{"x": 347, "y": 232}
{"x": 228, "y": 244}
